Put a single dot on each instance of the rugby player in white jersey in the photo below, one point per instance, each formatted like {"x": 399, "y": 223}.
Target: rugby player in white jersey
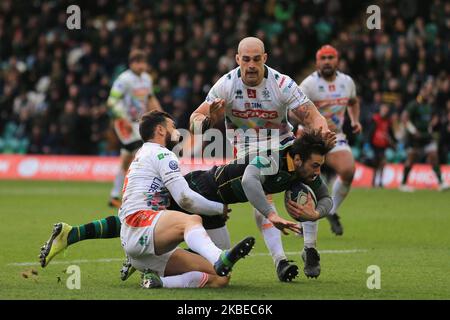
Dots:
{"x": 130, "y": 97}
{"x": 254, "y": 96}
{"x": 334, "y": 93}
{"x": 150, "y": 234}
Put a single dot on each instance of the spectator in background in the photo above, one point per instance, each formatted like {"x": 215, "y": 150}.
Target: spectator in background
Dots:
{"x": 381, "y": 138}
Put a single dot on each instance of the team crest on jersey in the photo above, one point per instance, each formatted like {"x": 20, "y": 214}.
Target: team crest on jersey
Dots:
{"x": 173, "y": 165}
{"x": 266, "y": 94}
{"x": 239, "y": 94}
{"x": 321, "y": 89}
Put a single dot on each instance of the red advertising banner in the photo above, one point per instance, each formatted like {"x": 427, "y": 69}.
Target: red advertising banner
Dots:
{"x": 89, "y": 168}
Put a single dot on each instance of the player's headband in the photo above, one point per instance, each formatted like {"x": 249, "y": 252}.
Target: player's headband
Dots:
{"x": 326, "y": 50}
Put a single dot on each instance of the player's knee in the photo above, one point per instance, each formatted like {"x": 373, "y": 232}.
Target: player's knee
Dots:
{"x": 218, "y": 282}
{"x": 195, "y": 219}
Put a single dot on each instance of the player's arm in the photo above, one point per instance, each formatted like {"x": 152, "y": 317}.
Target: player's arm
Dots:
{"x": 353, "y": 114}
{"x": 252, "y": 181}
{"x": 153, "y": 103}
{"x": 114, "y": 102}
{"x": 406, "y": 120}
{"x": 354, "y": 108}
{"x": 185, "y": 197}
{"x": 310, "y": 117}
{"x": 211, "y": 111}
{"x": 192, "y": 201}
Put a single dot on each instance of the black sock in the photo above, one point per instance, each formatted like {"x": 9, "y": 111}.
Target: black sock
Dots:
{"x": 406, "y": 174}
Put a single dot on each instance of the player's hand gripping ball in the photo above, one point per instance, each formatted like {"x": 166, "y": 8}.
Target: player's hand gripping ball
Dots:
{"x": 298, "y": 193}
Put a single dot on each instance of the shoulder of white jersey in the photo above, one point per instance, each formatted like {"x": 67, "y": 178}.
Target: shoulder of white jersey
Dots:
{"x": 125, "y": 74}
{"x": 312, "y": 78}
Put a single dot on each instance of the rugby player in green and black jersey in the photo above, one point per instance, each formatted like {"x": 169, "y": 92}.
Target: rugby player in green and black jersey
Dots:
{"x": 417, "y": 119}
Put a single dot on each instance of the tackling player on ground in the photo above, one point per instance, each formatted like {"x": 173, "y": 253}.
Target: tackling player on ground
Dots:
{"x": 334, "y": 93}
{"x": 130, "y": 97}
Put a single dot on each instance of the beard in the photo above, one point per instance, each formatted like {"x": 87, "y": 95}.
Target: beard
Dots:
{"x": 327, "y": 71}
{"x": 171, "y": 143}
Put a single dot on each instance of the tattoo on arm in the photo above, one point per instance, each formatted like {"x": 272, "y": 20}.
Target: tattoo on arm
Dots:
{"x": 303, "y": 112}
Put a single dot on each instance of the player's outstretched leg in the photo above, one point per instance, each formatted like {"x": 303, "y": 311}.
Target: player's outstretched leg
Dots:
{"x": 310, "y": 255}
{"x": 272, "y": 238}
{"x": 228, "y": 258}
{"x": 174, "y": 227}
{"x": 64, "y": 235}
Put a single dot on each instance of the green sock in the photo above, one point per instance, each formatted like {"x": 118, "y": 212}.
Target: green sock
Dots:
{"x": 108, "y": 227}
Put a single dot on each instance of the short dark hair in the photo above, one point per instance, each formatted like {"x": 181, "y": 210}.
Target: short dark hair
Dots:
{"x": 311, "y": 141}
{"x": 149, "y": 121}
{"x": 136, "y": 55}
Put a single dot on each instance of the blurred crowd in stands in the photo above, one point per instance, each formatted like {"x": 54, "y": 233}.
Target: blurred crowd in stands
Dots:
{"x": 54, "y": 82}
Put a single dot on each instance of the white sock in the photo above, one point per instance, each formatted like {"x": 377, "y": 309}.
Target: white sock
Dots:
{"x": 198, "y": 240}
{"x": 192, "y": 279}
{"x": 310, "y": 229}
{"x": 272, "y": 237}
{"x": 118, "y": 184}
{"x": 220, "y": 237}
{"x": 340, "y": 191}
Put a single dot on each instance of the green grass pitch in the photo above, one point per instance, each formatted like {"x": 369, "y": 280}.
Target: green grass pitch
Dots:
{"x": 405, "y": 234}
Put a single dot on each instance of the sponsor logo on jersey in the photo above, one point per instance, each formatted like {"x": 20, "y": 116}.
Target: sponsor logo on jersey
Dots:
{"x": 173, "y": 165}
{"x": 155, "y": 185}
{"x": 160, "y": 156}
{"x": 331, "y": 102}
{"x": 254, "y": 113}
{"x": 251, "y": 93}
{"x": 252, "y": 105}
{"x": 239, "y": 94}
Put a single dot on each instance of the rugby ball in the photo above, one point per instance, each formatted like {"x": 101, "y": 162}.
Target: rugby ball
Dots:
{"x": 298, "y": 192}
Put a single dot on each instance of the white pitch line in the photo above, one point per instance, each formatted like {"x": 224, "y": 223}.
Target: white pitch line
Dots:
{"x": 107, "y": 260}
